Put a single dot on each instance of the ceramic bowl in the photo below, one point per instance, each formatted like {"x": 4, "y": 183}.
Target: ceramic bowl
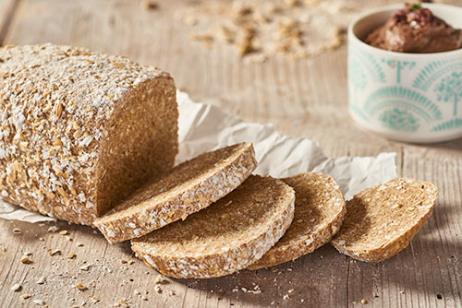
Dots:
{"x": 405, "y": 96}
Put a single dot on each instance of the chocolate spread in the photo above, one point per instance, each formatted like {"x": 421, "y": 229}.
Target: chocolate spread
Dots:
{"x": 414, "y": 29}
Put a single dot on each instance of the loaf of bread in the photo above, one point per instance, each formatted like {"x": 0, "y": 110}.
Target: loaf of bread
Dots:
{"x": 80, "y": 131}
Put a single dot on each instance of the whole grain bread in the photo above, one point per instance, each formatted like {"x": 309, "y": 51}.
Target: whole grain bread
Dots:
{"x": 381, "y": 221}
{"x": 224, "y": 238}
{"x": 80, "y": 131}
{"x": 188, "y": 188}
{"x": 319, "y": 212}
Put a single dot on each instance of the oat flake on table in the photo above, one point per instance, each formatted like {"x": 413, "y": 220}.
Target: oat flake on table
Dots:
{"x": 299, "y": 29}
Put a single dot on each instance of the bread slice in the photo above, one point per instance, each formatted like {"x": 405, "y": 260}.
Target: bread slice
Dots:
{"x": 81, "y": 131}
{"x": 319, "y": 212}
{"x": 188, "y": 188}
{"x": 224, "y": 238}
{"x": 381, "y": 221}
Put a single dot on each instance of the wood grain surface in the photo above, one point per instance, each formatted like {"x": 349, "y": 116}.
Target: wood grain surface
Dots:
{"x": 302, "y": 98}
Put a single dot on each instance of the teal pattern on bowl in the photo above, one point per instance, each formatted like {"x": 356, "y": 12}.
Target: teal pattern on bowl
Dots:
{"x": 407, "y": 97}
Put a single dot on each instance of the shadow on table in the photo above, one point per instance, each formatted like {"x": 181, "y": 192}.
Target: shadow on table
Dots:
{"x": 441, "y": 218}
{"x": 306, "y": 282}
{"x": 431, "y": 268}
{"x": 425, "y": 270}
{"x": 455, "y": 145}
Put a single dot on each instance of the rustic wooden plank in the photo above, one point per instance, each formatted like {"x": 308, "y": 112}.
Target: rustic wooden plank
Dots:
{"x": 304, "y": 98}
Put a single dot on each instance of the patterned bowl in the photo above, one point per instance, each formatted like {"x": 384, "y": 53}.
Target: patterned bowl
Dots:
{"x": 405, "y": 96}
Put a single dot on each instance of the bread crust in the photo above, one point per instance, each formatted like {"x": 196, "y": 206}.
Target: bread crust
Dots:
{"x": 230, "y": 255}
{"x": 319, "y": 213}
{"x": 145, "y": 212}
{"x": 362, "y": 237}
{"x": 58, "y": 106}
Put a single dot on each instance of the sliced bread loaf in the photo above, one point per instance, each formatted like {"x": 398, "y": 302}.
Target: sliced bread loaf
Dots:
{"x": 188, "y": 188}
{"x": 81, "y": 131}
{"x": 381, "y": 221}
{"x": 319, "y": 213}
{"x": 224, "y": 238}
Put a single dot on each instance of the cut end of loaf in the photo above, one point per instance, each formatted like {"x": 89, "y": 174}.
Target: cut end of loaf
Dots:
{"x": 188, "y": 188}
{"x": 224, "y": 238}
{"x": 319, "y": 213}
{"x": 142, "y": 141}
{"x": 381, "y": 221}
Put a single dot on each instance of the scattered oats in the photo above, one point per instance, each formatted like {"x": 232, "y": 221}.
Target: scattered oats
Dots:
{"x": 53, "y": 229}
{"x": 257, "y": 58}
{"x": 256, "y": 290}
{"x": 161, "y": 280}
{"x": 364, "y": 301}
{"x": 17, "y": 231}
{"x": 131, "y": 262}
{"x": 54, "y": 252}
{"x": 150, "y": 5}
{"x": 290, "y": 291}
{"x": 28, "y": 253}
{"x": 80, "y": 245}
{"x": 284, "y": 27}
{"x": 41, "y": 280}
{"x": 26, "y": 260}
{"x": 285, "y": 297}
{"x": 71, "y": 255}
{"x": 136, "y": 292}
{"x": 144, "y": 298}
{"x": 85, "y": 267}
{"x": 16, "y": 287}
{"x": 26, "y": 296}
{"x": 41, "y": 239}
{"x": 171, "y": 293}
{"x": 157, "y": 288}
{"x": 123, "y": 261}
{"x": 81, "y": 287}
{"x": 292, "y": 3}
{"x": 64, "y": 232}
{"x": 246, "y": 45}
{"x": 39, "y": 302}
{"x": 205, "y": 38}
{"x": 121, "y": 302}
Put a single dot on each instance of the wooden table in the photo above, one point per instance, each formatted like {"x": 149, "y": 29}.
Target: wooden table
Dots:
{"x": 303, "y": 98}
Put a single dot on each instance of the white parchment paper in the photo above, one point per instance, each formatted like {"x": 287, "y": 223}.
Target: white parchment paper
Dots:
{"x": 204, "y": 127}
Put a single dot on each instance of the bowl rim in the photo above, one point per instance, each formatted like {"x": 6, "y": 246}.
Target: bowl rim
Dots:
{"x": 353, "y": 37}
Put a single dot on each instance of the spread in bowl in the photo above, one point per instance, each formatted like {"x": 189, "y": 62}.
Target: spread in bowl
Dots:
{"x": 415, "y": 29}
{"x": 405, "y": 72}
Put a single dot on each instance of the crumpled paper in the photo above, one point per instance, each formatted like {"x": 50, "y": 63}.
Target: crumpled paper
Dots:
{"x": 205, "y": 127}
